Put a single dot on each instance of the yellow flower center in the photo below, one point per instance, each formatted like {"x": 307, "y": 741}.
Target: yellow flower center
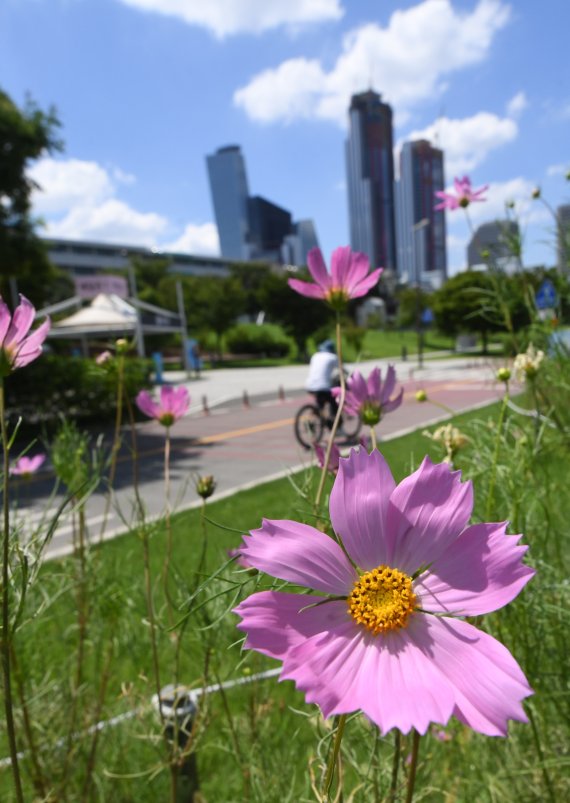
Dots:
{"x": 337, "y": 298}
{"x": 382, "y": 600}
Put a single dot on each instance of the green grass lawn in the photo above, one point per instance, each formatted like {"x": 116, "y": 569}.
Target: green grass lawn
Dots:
{"x": 257, "y": 742}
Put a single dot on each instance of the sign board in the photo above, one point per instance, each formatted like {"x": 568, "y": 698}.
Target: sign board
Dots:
{"x": 546, "y": 297}
{"x": 427, "y": 317}
{"x": 91, "y": 286}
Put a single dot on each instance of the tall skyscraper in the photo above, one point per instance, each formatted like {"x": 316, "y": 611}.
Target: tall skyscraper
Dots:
{"x": 370, "y": 175}
{"x": 422, "y": 255}
{"x": 230, "y": 194}
{"x": 251, "y": 227}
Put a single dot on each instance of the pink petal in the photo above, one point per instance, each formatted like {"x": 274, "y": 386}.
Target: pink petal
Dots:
{"x": 306, "y": 289}
{"x": 374, "y": 385}
{"x": 146, "y": 404}
{"x": 276, "y": 622}
{"x": 359, "y": 507}
{"x": 22, "y": 319}
{"x": 340, "y": 266}
{"x": 388, "y": 677}
{"x": 392, "y": 404}
{"x": 333, "y": 458}
{"x": 318, "y": 269}
{"x": 359, "y": 267}
{"x": 427, "y": 512}
{"x": 5, "y": 320}
{"x": 365, "y": 285}
{"x": 357, "y": 388}
{"x": 31, "y": 347}
{"x": 479, "y": 573}
{"x": 487, "y": 682}
{"x": 389, "y": 384}
{"x": 300, "y": 554}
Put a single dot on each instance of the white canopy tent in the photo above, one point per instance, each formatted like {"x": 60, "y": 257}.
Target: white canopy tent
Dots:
{"x": 105, "y": 315}
{"x": 108, "y": 315}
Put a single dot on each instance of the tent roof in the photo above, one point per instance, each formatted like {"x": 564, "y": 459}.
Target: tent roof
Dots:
{"x": 106, "y": 314}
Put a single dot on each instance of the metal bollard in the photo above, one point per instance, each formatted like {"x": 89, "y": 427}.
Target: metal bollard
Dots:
{"x": 404, "y": 353}
{"x": 179, "y": 713}
{"x": 205, "y": 408}
{"x": 246, "y": 399}
{"x": 281, "y": 393}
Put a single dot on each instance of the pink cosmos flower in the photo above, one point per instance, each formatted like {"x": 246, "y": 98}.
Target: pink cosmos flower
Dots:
{"x": 464, "y": 195}
{"x": 240, "y": 560}
{"x": 174, "y": 403}
{"x": 25, "y": 466}
{"x": 349, "y": 277}
{"x": 104, "y": 357}
{"x": 382, "y": 633}
{"x": 17, "y": 347}
{"x": 371, "y": 399}
{"x": 334, "y": 458}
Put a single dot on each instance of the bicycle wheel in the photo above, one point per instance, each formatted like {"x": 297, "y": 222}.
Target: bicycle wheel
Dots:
{"x": 308, "y": 426}
{"x": 350, "y": 427}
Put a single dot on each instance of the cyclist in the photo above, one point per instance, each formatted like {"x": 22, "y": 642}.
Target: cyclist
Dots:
{"x": 323, "y": 375}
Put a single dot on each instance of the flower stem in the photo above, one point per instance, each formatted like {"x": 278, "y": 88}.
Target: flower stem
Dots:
{"x": 334, "y": 757}
{"x": 493, "y": 474}
{"x": 395, "y": 767}
{"x": 168, "y": 523}
{"x": 373, "y": 438}
{"x": 338, "y": 415}
{"x": 116, "y": 442}
{"x": 413, "y": 767}
{"x": 6, "y": 634}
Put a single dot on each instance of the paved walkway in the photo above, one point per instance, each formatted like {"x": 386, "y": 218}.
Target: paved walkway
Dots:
{"x": 242, "y": 446}
{"x": 225, "y": 385}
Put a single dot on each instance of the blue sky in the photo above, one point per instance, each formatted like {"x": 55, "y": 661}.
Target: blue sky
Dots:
{"x": 146, "y": 88}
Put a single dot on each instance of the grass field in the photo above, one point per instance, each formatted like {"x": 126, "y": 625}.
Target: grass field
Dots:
{"x": 258, "y": 742}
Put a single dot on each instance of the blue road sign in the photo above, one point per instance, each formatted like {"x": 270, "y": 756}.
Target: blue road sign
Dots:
{"x": 427, "y": 317}
{"x": 546, "y": 297}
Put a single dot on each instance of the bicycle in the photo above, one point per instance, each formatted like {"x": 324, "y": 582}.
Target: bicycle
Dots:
{"x": 311, "y": 422}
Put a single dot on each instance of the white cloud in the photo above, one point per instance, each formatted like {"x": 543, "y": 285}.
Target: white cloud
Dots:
{"x": 78, "y": 200}
{"x": 499, "y": 193}
{"x": 63, "y": 184}
{"x": 290, "y": 92}
{"x": 557, "y": 170}
{"x": 517, "y": 104}
{"x": 227, "y": 17}
{"x": 112, "y": 221}
{"x": 408, "y": 59}
{"x": 467, "y": 142}
{"x": 196, "y": 239}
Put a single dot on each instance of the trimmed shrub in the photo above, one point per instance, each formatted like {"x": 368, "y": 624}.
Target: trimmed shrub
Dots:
{"x": 266, "y": 340}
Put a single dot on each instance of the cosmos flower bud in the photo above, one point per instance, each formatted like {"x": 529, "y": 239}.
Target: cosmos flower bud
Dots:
{"x": 503, "y": 374}
{"x": 205, "y": 486}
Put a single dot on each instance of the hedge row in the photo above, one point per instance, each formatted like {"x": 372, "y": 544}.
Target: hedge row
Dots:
{"x": 71, "y": 387}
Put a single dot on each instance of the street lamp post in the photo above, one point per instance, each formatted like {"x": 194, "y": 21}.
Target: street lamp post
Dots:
{"x": 419, "y": 265}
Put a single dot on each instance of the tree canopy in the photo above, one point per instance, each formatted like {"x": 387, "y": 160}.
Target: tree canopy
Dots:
{"x": 25, "y": 135}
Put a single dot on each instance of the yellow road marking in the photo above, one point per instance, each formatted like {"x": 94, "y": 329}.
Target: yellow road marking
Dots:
{"x": 239, "y": 433}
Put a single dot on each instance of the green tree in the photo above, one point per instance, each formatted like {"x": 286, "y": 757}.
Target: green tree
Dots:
{"x": 299, "y": 316}
{"x": 25, "y": 135}
{"x": 149, "y": 273}
{"x": 411, "y": 303}
{"x": 481, "y": 302}
{"x": 251, "y": 276}
{"x": 211, "y": 304}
